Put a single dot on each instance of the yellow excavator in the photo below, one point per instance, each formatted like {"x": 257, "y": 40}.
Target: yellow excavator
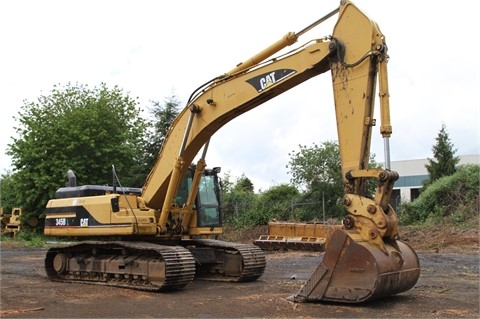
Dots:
{"x": 12, "y": 223}
{"x": 163, "y": 236}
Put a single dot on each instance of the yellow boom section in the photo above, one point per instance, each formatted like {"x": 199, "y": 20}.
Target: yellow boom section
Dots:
{"x": 225, "y": 98}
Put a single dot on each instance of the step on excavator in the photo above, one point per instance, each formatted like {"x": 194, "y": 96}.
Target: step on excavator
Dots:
{"x": 162, "y": 236}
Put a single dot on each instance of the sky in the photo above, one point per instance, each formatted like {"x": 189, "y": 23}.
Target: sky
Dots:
{"x": 155, "y": 49}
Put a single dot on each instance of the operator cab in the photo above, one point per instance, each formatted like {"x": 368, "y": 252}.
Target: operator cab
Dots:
{"x": 207, "y": 202}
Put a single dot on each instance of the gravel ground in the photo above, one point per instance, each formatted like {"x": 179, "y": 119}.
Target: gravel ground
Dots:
{"x": 448, "y": 287}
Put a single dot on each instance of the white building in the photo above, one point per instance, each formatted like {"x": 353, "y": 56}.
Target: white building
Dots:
{"x": 412, "y": 175}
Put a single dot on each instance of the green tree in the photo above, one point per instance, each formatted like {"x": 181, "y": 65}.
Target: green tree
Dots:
{"x": 226, "y": 183}
{"x": 244, "y": 184}
{"x": 277, "y": 202}
{"x": 8, "y": 192}
{"x": 163, "y": 116}
{"x": 238, "y": 200}
{"x": 315, "y": 165}
{"x": 317, "y": 170}
{"x": 80, "y": 128}
{"x": 444, "y": 162}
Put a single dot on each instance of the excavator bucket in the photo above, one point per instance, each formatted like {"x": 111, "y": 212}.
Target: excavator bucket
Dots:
{"x": 354, "y": 271}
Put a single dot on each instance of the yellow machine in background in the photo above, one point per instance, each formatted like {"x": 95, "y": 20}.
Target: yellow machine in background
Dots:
{"x": 11, "y": 223}
{"x": 309, "y": 236}
{"x": 167, "y": 231}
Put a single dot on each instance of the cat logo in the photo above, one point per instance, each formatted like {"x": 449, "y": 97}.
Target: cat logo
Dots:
{"x": 83, "y": 222}
{"x": 264, "y": 81}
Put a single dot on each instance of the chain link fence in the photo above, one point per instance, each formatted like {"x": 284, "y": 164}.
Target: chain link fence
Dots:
{"x": 258, "y": 213}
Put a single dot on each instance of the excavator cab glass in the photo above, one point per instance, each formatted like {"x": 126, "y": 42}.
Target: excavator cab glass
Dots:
{"x": 207, "y": 203}
{"x": 184, "y": 188}
{"x": 208, "y": 206}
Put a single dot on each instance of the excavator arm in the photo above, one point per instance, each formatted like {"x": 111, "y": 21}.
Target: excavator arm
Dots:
{"x": 365, "y": 259}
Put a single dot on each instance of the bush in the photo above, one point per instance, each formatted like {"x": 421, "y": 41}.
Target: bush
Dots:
{"x": 245, "y": 209}
{"x": 453, "y": 199}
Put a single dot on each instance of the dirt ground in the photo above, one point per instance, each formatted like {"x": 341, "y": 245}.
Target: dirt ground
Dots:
{"x": 448, "y": 287}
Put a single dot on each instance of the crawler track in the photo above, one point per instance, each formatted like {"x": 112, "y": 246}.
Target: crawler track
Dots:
{"x": 224, "y": 261}
{"x": 139, "y": 265}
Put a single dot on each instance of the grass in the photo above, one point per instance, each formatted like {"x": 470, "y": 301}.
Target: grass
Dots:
{"x": 23, "y": 239}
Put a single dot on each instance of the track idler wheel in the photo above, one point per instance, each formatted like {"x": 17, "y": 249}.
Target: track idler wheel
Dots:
{"x": 354, "y": 270}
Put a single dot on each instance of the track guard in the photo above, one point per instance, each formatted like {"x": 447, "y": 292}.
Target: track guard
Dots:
{"x": 354, "y": 271}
